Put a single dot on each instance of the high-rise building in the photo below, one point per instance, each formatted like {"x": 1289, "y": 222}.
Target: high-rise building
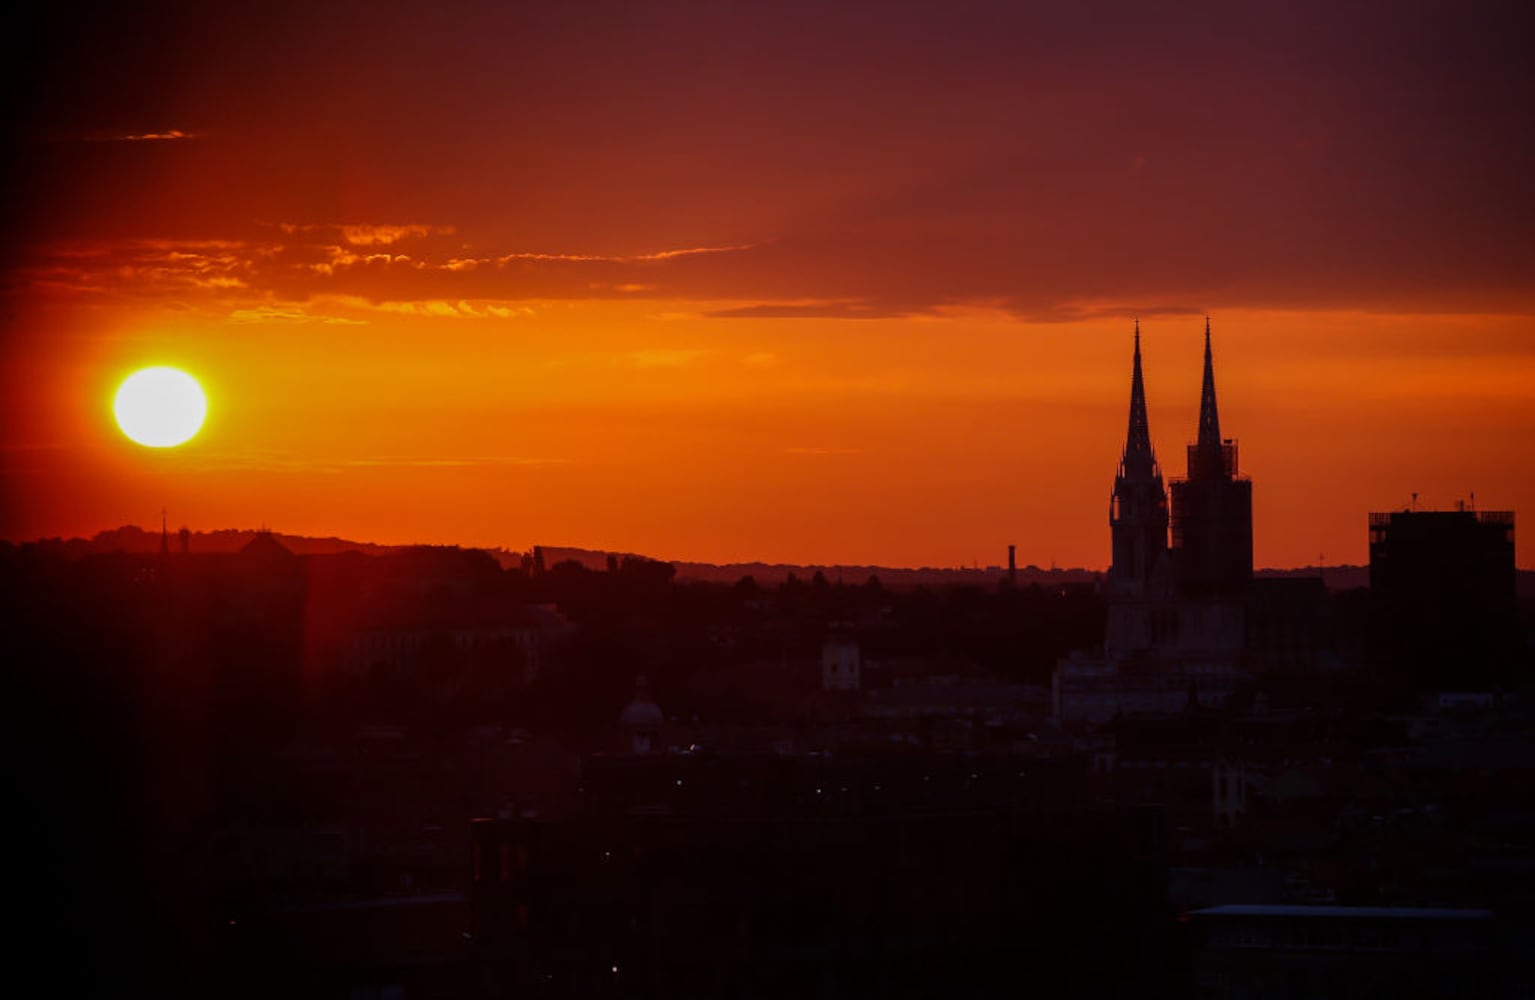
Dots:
{"x": 1442, "y": 594}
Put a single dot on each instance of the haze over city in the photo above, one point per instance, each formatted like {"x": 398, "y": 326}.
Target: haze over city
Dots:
{"x": 783, "y": 283}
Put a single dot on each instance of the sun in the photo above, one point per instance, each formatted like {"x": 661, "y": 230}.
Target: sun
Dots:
{"x": 160, "y": 407}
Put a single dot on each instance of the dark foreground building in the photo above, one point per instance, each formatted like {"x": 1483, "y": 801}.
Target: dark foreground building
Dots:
{"x": 1345, "y": 951}
{"x": 1442, "y": 591}
{"x": 766, "y": 875}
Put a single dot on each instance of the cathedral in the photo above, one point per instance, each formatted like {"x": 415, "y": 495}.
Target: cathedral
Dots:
{"x": 1181, "y": 572}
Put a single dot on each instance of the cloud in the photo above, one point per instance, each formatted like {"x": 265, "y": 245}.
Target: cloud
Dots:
{"x": 304, "y": 268}
{"x": 366, "y": 234}
{"x": 339, "y": 257}
{"x": 462, "y": 309}
{"x": 289, "y": 313}
{"x": 823, "y": 451}
{"x": 375, "y": 235}
{"x": 816, "y": 310}
{"x": 145, "y": 269}
{"x": 169, "y": 135}
{"x": 638, "y": 258}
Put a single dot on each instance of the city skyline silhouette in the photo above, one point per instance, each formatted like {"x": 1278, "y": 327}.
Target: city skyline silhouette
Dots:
{"x": 800, "y": 286}
{"x": 889, "y": 499}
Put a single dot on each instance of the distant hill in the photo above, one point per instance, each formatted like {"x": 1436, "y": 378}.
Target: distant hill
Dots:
{"x": 776, "y": 573}
{"x": 132, "y": 538}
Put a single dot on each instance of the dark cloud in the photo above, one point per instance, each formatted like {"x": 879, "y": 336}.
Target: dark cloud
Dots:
{"x": 886, "y": 158}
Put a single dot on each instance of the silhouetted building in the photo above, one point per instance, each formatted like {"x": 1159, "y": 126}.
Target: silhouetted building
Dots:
{"x": 1287, "y": 624}
{"x": 1344, "y": 951}
{"x": 778, "y": 875}
{"x": 1138, "y": 512}
{"x": 1212, "y": 509}
{"x": 1176, "y": 635}
{"x": 1140, "y": 574}
{"x": 1442, "y": 591}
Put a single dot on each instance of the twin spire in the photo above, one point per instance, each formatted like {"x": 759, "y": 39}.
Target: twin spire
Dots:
{"x": 1139, "y": 459}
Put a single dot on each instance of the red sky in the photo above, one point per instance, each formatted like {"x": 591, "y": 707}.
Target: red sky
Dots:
{"x": 725, "y": 282}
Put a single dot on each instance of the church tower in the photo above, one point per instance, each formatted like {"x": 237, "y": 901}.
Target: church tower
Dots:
{"x": 1138, "y": 510}
{"x": 1212, "y": 509}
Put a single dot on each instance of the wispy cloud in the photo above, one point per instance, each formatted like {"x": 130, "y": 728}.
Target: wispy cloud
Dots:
{"x": 169, "y": 135}
{"x": 375, "y": 235}
{"x": 290, "y": 313}
{"x": 621, "y": 258}
{"x": 302, "y": 269}
{"x": 462, "y": 309}
{"x": 367, "y": 234}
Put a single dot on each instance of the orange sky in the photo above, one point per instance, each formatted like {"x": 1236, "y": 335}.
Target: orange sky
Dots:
{"x": 777, "y": 285}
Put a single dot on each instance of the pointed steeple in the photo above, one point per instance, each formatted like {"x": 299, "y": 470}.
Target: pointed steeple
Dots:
{"x": 1139, "y": 460}
{"x": 1208, "y": 460}
{"x": 1209, "y": 416}
{"x": 1138, "y": 510}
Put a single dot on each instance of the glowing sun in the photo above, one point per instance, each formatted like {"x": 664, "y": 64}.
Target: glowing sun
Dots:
{"x": 160, "y": 407}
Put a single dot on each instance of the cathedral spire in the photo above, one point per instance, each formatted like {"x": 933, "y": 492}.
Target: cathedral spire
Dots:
{"x": 1209, "y": 417}
{"x": 1138, "y": 510}
{"x": 1139, "y": 460}
{"x": 1211, "y": 460}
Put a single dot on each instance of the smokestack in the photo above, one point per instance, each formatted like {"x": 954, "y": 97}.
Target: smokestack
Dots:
{"x": 1012, "y": 564}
